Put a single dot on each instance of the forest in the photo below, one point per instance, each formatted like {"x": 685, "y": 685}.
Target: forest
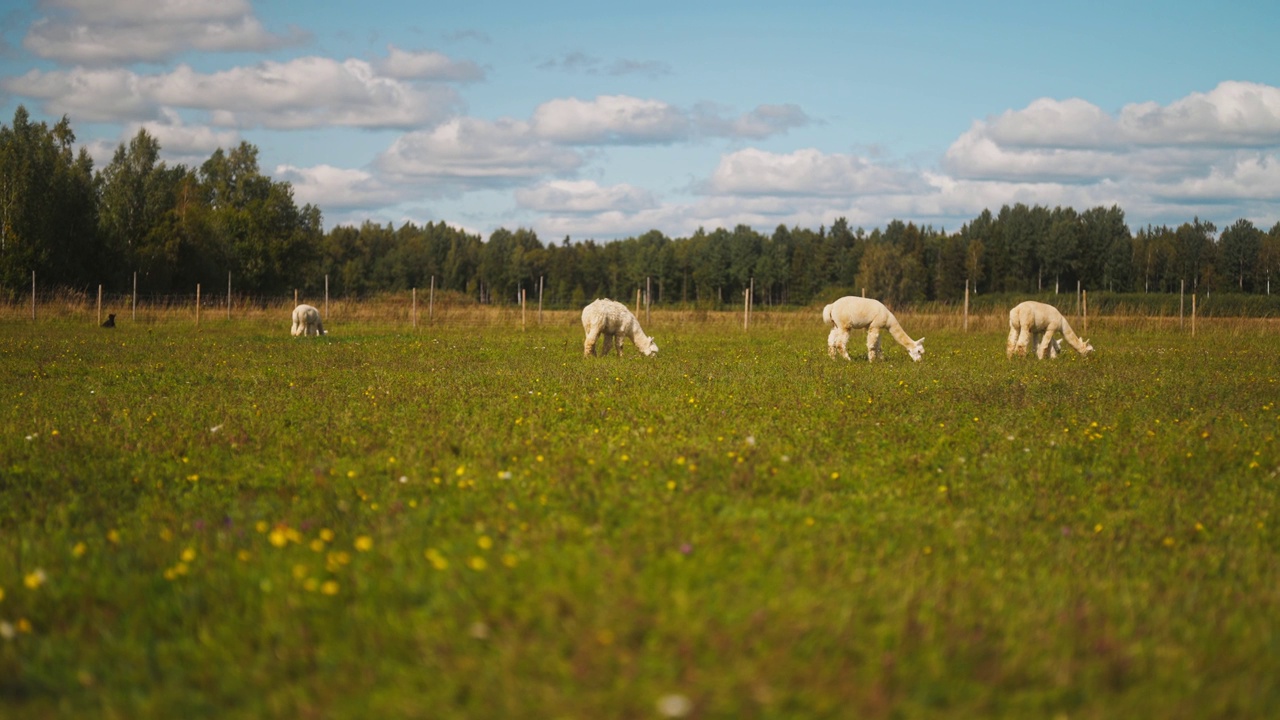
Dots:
{"x": 175, "y": 226}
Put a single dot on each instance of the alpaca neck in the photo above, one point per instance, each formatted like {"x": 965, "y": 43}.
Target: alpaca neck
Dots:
{"x": 1072, "y": 338}
{"x": 639, "y": 338}
{"x": 895, "y": 329}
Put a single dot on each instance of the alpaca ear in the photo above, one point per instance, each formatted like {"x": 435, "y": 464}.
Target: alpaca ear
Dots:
{"x": 920, "y": 341}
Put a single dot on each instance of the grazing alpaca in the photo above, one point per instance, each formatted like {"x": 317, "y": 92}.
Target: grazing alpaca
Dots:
{"x": 110, "y": 322}
{"x": 851, "y": 312}
{"x": 306, "y": 321}
{"x": 614, "y": 321}
{"x": 1035, "y": 321}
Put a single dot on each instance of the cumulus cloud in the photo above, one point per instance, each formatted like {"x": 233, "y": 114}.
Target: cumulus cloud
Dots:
{"x": 1073, "y": 139}
{"x": 473, "y": 153}
{"x": 179, "y": 139}
{"x": 804, "y": 172}
{"x": 625, "y": 120}
{"x": 1250, "y": 176}
{"x": 609, "y": 119}
{"x": 127, "y": 31}
{"x": 329, "y": 187}
{"x": 584, "y": 196}
{"x": 301, "y": 93}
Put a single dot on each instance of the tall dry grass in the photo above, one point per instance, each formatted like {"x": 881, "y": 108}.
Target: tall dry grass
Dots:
{"x": 455, "y": 310}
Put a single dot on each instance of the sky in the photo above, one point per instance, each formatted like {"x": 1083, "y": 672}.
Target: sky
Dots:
{"x": 608, "y": 120}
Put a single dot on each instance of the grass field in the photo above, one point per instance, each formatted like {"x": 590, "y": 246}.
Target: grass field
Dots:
{"x": 473, "y": 522}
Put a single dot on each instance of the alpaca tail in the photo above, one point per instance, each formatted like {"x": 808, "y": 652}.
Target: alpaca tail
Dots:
{"x": 826, "y": 316}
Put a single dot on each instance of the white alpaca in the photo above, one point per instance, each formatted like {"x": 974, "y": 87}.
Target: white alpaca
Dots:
{"x": 306, "y": 321}
{"x": 851, "y": 312}
{"x": 1037, "y": 322}
{"x": 614, "y": 321}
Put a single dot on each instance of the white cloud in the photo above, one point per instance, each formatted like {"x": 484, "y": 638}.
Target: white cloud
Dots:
{"x": 1252, "y": 176}
{"x": 804, "y": 172}
{"x": 584, "y": 196}
{"x": 177, "y": 138}
{"x": 1073, "y": 139}
{"x": 609, "y": 119}
{"x": 87, "y": 94}
{"x": 126, "y": 31}
{"x": 468, "y": 152}
{"x": 428, "y": 65}
{"x": 329, "y": 187}
{"x": 301, "y": 93}
{"x": 180, "y": 143}
{"x": 625, "y": 120}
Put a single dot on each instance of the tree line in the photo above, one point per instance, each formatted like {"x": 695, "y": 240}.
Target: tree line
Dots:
{"x": 176, "y": 226}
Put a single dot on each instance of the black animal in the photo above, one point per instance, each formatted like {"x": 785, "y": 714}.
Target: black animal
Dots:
{"x": 110, "y": 321}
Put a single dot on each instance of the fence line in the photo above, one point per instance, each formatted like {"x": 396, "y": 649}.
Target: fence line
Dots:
{"x": 453, "y": 309}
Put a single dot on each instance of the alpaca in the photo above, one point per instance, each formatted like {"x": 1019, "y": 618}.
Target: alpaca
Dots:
{"x": 110, "y": 322}
{"x": 306, "y": 321}
{"x": 852, "y": 312}
{"x": 1037, "y": 322}
{"x": 614, "y": 321}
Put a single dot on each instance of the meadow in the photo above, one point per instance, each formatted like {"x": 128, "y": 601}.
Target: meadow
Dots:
{"x": 467, "y": 520}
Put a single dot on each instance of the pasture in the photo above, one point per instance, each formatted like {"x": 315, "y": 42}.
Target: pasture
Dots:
{"x": 466, "y": 521}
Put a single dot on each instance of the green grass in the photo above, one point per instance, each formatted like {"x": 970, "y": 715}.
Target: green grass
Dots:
{"x": 231, "y": 522}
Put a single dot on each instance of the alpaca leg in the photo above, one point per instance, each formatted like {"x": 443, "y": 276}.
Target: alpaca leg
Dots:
{"x": 842, "y": 342}
{"x": 617, "y": 343}
{"x": 589, "y": 345}
{"x": 873, "y": 343}
{"x": 833, "y": 342}
{"x": 1024, "y": 337}
{"x": 1042, "y": 347}
{"x": 1012, "y": 342}
{"x": 1053, "y": 348}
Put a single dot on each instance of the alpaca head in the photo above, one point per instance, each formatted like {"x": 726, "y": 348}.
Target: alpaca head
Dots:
{"x": 1087, "y": 348}
{"x": 917, "y": 351}
{"x": 650, "y": 349}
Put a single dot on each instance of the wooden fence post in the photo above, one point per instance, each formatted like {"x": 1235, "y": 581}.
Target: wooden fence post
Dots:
{"x": 1182, "y": 301}
{"x": 648, "y": 297}
{"x": 966, "y": 305}
{"x": 99, "y": 303}
{"x": 197, "y": 304}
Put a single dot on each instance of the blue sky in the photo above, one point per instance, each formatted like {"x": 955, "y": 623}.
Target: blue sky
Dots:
{"x": 606, "y": 120}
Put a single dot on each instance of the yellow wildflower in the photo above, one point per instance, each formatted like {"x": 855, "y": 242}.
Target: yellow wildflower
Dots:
{"x": 34, "y": 579}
